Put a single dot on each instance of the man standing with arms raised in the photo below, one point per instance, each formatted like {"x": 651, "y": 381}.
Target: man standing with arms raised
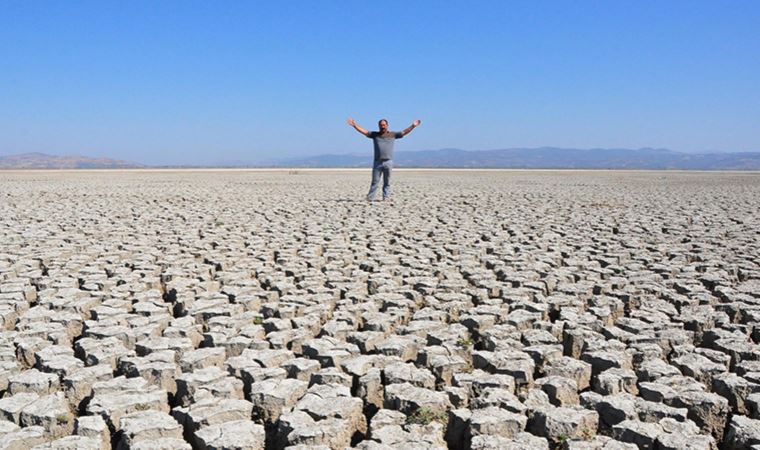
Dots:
{"x": 383, "y": 141}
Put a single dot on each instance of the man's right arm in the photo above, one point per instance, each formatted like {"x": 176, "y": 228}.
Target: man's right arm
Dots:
{"x": 356, "y": 126}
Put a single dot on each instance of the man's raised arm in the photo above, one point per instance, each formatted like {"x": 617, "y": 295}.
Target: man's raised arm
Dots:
{"x": 409, "y": 129}
{"x": 356, "y": 126}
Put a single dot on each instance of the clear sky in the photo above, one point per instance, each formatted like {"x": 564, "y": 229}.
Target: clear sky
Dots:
{"x": 200, "y": 82}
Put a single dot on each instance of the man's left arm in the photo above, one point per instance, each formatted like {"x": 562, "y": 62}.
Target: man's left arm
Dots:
{"x": 409, "y": 129}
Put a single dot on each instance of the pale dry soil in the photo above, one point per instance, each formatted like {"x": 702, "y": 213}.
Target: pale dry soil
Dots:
{"x": 478, "y": 310}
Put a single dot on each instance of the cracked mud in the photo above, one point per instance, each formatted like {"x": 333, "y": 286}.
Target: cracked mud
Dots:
{"x": 478, "y": 310}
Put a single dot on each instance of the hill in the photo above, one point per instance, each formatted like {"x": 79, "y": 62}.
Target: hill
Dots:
{"x": 545, "y": 158}
{"x": 44, "y": 161}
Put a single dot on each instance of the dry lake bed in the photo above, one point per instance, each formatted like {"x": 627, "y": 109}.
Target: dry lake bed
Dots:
{"x": 236, "y": 309}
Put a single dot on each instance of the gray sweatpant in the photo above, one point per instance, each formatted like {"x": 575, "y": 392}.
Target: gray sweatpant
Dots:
{"x": 381, "y": 168}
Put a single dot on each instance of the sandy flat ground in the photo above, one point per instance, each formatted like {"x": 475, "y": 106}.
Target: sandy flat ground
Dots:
{"x": 564, "y": 305}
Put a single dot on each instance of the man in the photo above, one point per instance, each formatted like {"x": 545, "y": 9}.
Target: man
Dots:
{"x": 383, "y": 141}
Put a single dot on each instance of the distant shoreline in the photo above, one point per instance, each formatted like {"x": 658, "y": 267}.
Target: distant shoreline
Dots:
{"x": 363, "y": 169}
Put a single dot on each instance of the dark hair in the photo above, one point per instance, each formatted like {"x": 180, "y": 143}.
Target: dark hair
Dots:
{"x": 381, "y": 120}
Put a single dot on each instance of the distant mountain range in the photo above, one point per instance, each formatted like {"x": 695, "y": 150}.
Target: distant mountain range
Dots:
{"x": 44, "y": 161}
{"x": 517, "y": 158}
{"x": 544, "y": 158}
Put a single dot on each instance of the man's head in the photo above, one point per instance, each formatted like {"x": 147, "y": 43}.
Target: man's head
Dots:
{"x": 383, "y": 125}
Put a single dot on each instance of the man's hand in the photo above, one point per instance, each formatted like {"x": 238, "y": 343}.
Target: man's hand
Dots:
{"x": 356, "y": 126}
{"x": 409, "y": 129}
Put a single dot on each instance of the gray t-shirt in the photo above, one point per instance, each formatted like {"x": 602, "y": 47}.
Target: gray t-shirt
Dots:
{"x": 384, "y": 143}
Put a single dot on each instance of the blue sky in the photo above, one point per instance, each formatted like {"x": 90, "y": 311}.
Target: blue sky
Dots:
{"x": 186, "y": 82}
